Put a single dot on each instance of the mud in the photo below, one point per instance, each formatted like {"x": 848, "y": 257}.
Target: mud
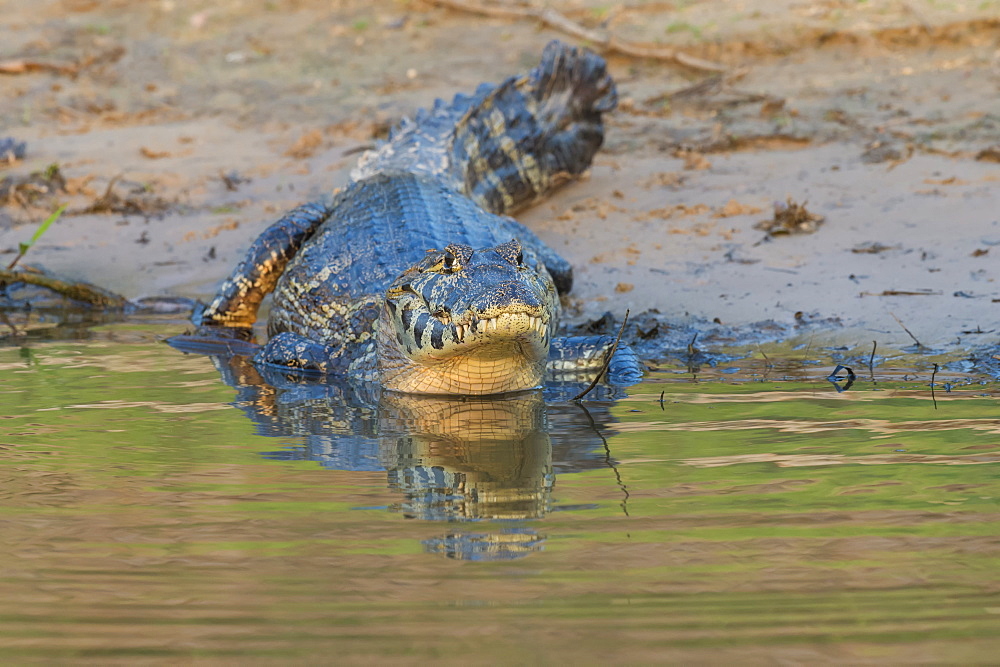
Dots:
{"x": 180, "y": 129}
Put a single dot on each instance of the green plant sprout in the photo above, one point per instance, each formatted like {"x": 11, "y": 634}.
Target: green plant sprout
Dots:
{"x": 23, "y": 247}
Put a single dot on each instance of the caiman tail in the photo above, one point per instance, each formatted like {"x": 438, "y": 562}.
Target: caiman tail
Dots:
{"x": 508, "y": 144}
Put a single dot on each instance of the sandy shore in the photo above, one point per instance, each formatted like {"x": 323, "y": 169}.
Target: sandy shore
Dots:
{"x": 198, "y": 123}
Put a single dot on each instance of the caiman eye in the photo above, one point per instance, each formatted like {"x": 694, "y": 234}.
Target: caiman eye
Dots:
{"x": 447, "y": 264}
{"x": 397, "y": 292}
{"x": 511, "y": 252}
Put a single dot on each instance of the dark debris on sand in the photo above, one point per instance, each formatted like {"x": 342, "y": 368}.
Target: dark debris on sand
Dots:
{"x": 791, "y": 217}
{"x": 692, "y": 342}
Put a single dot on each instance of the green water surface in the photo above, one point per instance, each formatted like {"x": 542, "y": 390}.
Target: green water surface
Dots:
{"x": 745, "y": 518}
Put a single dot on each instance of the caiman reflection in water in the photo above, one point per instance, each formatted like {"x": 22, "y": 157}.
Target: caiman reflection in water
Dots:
{"x": 453, "y": 458}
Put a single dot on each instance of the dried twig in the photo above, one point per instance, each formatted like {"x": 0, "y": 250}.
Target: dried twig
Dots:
{"x": 790, "y": 217}
{"x": 71, "y": 69}
{"x": 601, "y": 39}
{"x": 692, "y": 350}
{"x": 919, "y": 344}
{"x": 767, "y": 362}
{"x": 933, "y": 375}
{"x": 899, "y": 292}
{"x": 138, "y": 201}
{"x": 19, "y": 66}
{"x": 607, "y": 361}
{"x": 871, "y": 360}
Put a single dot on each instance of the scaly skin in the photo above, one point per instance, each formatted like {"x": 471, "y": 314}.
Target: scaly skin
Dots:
{"x": 468, "y": 322}
{"x": 361, "y": 287}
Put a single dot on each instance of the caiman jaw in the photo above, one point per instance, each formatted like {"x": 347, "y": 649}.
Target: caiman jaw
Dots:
{"x": 470, "y": 376}
{"x": 466, "y": 321}
{"x": 495, "y": 355}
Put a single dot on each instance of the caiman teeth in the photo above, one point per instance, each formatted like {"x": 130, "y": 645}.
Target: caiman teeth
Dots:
{"x": 478, "y": 326}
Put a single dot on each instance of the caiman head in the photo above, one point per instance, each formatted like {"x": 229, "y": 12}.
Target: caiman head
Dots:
{"x": 464, "y": 321}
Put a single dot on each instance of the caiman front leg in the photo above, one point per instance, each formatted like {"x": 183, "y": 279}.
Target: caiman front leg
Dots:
{"x": 225, "y": 325}
{"x": 577, "y": 358}
{"x": 240, "y": 296}
{"x": 295, "y": 353}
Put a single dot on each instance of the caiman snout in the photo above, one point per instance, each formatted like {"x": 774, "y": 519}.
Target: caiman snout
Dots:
{"x": 508, "y": 297}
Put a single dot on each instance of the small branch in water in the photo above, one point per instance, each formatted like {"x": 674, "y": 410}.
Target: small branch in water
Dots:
{"x": 86, "y": 292}
{"x": 871, "y": 360}
{"x": 607, "y": 361}
{"x": 691, "y": 348}
{"x": 601, "y": 39}
{"x": 933, "y": 397}
{"x": 919, "y": 344}
{"x": 768, "y": 363}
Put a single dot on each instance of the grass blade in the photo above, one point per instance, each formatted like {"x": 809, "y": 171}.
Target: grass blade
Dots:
{"x": 24, "y": 247}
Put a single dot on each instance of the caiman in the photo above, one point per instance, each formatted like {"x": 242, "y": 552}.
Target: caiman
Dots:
{"x": 413, "y": 275}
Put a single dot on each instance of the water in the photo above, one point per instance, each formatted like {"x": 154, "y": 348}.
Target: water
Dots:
{"x": 151, "y": 513}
